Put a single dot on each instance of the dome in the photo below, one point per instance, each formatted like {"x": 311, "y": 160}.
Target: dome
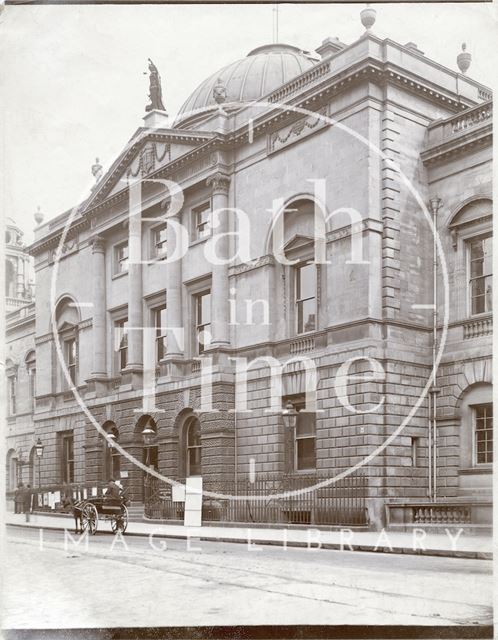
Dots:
{"x": 262, "y": 71}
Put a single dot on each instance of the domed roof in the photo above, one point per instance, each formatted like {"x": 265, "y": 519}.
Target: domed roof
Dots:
{"x": 261, "y": 72}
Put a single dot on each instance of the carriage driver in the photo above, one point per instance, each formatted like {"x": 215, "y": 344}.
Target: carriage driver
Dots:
{"x": 113, "y": 492}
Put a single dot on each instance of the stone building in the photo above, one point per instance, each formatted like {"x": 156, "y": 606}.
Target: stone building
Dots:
{"x": 377, "y": 131}
{"x": 20, "y": 363}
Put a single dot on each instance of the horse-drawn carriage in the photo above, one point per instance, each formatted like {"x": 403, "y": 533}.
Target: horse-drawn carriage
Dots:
{"x": 105, "y": 508}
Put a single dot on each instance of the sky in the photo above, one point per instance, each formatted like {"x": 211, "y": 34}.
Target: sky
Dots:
{"x": 73, "y": 82}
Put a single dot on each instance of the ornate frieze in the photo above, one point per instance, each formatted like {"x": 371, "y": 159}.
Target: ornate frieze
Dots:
{"x": 47, "y": 337}
{"x": 70, "y": 246}
{"x": 296, "y": 131}
{"x": 145, "y": 162}
{"x": 254, "y": 264}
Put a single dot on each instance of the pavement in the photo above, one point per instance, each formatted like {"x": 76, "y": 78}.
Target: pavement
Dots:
{"x": 54, "y": 581}
{"x": 451, "y": 542}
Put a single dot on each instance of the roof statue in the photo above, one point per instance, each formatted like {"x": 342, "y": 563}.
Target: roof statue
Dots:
{"x": 97, "y": 170}
{"x": 38, "y": 216}
{"x": 155, "y": 91}
{"x": 219, "y": 92}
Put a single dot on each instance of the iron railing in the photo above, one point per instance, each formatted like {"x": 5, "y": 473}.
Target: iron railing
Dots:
{"x": 261, "y": 501}
{"x": 51, "y": 497}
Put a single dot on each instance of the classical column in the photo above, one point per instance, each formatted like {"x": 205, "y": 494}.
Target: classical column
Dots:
{"x": 135, "y": 304}
{"x": 174, "y": 315}
{"x": 220, "y": 184}
{"x": 99, "y": 307}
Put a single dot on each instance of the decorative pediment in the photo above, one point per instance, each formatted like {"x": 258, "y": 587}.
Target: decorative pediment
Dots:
{"x": 66, "y": 327}
{"x": 146, "y": 153}
{"x": 297, "y": 242}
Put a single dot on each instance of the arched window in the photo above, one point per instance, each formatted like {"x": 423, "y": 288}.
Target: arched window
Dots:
{"x": 11, "y": 377}
{"x": 30, "y": 361}
{"x": 193, "y": 447}
{"x": 300, "y": 230}
{"x": 67, "y": 318}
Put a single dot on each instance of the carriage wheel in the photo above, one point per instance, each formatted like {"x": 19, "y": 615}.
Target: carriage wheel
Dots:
{"x": 90, "y": 519}
{"x": 120, "y": 522}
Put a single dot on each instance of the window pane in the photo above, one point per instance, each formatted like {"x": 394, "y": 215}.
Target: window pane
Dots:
{"x": 194, "y": 461}
{"x": 205, "y": 309}
{"x": 161, "y": 332}
{"x": 476, "y": 249}
{"x": 194, "y": 435}
{"x": 306, "y": 281}
{"x": 160, "y": 240}
{"x": 305, "y": 453}
{"x": 305, "y": 424}
{"x": 483, "y": 416}
{"x": 202, "y": 217}
{"x": 306, "y": 316}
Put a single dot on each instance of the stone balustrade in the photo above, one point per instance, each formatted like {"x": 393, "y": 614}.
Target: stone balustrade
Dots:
{"x": 478, "y": 327}
{"x": 302, "y": 345}
{"x": 455, "y": 126}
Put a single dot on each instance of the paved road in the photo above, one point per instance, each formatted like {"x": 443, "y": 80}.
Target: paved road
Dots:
{"x": 130, "y": 583}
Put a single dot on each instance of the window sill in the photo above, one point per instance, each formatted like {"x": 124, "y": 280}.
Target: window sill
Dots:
{"x": 121, "y": 274}
{"x": 477, "y": 470}
{"x": 197, "y": 241}
{"x": 479, "y": 316}
{"x": 304, "y": 472}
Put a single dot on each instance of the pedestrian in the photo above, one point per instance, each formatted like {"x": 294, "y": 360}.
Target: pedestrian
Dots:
{"x": 18, "y": 498}
{"x": 74, "y": 506}
{"x": 27, "y": 502}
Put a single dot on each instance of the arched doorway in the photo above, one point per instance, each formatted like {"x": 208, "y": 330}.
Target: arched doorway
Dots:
{"x": 111, "y": 467}
{"x": 12, "y": 468}
{"x": 33, "y": 459}
{"x": 146, "y": 439}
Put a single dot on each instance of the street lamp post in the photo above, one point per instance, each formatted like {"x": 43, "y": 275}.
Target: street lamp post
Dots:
{"x": 148, "y": 435}
{"x": 289, "y": 415}
{"x": 39, "y": 453}
{"x": 111, "y": 439}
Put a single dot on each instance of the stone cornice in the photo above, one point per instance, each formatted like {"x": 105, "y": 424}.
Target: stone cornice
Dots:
{"x": 315, "y": 92}
{"x": 116, "y": 170}
{"x": 52, "y": 240}
{"x": 313, "y": 96}
{"x": 452, "y": 147}
{"x": 46, "y": 337}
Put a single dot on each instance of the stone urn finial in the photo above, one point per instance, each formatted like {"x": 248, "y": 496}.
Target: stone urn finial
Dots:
{"x": 368, "y": 15}
{"x": 38, "y": 216}
{"x": 464, "y": 59}
{"x": 97, "y": 170}
{"x": 219, "y": 92}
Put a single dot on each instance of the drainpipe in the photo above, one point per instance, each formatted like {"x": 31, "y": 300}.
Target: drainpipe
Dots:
{"x": 435, "y": 204}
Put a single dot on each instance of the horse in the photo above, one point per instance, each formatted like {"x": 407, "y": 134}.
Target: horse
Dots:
{"x": 75, "y": 506}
